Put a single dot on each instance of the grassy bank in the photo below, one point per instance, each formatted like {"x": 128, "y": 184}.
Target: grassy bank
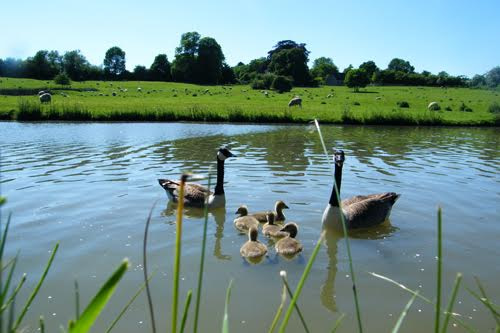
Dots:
{"x": 166, "y": 101}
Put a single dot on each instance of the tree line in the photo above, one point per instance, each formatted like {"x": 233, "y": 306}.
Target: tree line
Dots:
{"x": 201, "y": 60}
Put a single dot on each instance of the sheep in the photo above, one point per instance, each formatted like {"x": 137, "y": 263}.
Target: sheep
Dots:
{"x": 41, "y": 92}
{"x": 45, "y": 98}
{"x": 139, "y": 89}
{"x": 433, "y": 106}
{"x": 266, "y": 94}
{"x": 295, "y": 101}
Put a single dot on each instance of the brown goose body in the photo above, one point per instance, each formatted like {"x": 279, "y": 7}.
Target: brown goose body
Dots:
{"x": 278, "y": 213}
{"x": 289, "y": 246}
{"x": 272, "y": 230}
{"x": 253, "y": 248}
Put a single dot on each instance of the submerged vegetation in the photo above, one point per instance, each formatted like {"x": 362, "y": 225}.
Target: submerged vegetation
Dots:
{"x": 164, "y": 101}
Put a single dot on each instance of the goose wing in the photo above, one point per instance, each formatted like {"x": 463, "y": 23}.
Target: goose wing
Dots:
{"x": 193, "y": 193}
{"x": 260, "y": 216}
{"x": 370, "y": 211}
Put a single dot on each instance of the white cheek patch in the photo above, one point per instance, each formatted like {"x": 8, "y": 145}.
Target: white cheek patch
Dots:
{"x": 221, "y": 156}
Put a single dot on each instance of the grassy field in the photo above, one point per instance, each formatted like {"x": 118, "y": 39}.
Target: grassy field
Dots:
{"x": 166, "y": 101}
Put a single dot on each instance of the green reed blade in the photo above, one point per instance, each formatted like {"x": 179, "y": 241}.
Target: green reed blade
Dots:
{"x": 489, "y": 304}
{"x": 77, "y": 300}
{"x": 403, "y": 314}
{"x": 346, "y": 236}
{"x": 280, "y": 309}
{"x": 12, "y": 311}
{"x": 202, "y": 259}
{"x": 177, "y": 259}
{"x": 145, "y": 269}
{"x": 14, "y": 294}
{"x": 97, "y": 304}
{"x": 129, "y": 303}
{"x": 302, "y": 281}
{"x": 338, "y": 322}
{"x": 285, "y": 282}
{"x": 7, "y": 264}
{"x": 225, "y": 320}
{"x": 37, "y": 288}
{"x": 9, "y": 278}
{"x": 439, "y": 274}
{"x": 448, "y": 313}
{"x": 42, "y": 324}
{"x": 4, "y": 236}
{"x": 186, "y": 309}
{"x": 486, "y": 303}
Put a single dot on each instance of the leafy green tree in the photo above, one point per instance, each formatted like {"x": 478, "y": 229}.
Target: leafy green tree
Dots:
{"x": 281, "y": 84}
{"x": 184, "y": 68}
{"x": 477, "y": 81}
{"x": 493, "y": 77}
{"x": 140, "y": 73}
{"x": 114, "y": 62}
{"x": 62, "y": 79}
{"x": 370, "y": 68}
{"x": 160, "y": 69}
{"x": 189, "y": 43}
{"x": 356, "y": 78}
{"x": 210, "y": 59}
{"x": 290, "y": 59}
{"x": 75, "y": 65}
{"x": 1, "y": 67}
{"x": 324, "y": 67}
{"x": 40, "y": 67}
{"x": 228, "y": 75}
{"x": 400, "y": 65}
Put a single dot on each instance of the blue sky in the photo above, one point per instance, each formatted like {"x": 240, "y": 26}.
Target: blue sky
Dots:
{"x": 460, "y": 37}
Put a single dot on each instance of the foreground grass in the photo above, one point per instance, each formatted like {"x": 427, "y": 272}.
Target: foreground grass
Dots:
{"x": 167, "y": 101}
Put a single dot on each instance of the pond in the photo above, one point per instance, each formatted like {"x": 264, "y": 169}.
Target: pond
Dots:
{"x": 91, "y": 186}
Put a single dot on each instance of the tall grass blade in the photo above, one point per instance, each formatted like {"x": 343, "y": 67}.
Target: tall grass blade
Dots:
{"x": 280, "y": 309}
{"x": 285, "y": 282}
{"x": 14, "y": 294}
{"x": 129, "y": 303}
{"x": 77, "y": 300}
{"x": 97, "y": 304}
{"x": 225, "y": 320}
{"x": 145, "y": 269}
{"x": 7, "y": 264}
{"x": 346, "y": 236}
{"x": 12, "y": 312}
{"x": 449, "y": 309}
{"x": 301, "y": 283}
{"x": 439, "y": 275}
{"x": 177, "y": 259}
{"x": 202, "y": 259}
{"x": 488, "y": 302}
{"x": 186, "y": 310}
{"x": 402, "y": 286}
{"x": 338, "y": 322}
{"x": 403, "y": 314}
{"x": 9, "y": 279}
{"x": 42, "y": 324}
{"x": 37, "y": 288}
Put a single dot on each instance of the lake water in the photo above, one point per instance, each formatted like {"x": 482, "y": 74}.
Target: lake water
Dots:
{"x": 91, "y": 186}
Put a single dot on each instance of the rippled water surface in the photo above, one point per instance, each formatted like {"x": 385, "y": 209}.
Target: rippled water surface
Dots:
{"x": 91, "y": 186}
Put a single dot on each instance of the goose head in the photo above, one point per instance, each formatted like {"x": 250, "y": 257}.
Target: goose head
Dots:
{"x": 270, "y": 218}
{"x": 242, "y": 210}
{"x": 339, "y": 157}
{"x": 291, "y": 228}
{"x": 280, "y": 205}
{"x": 224, "y": 153}
{"x": 252, "y": 234}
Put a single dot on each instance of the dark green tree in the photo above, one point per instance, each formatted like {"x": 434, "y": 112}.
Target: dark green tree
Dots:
{"x": 493, "y": 77}
{"x": 281, "y": 84}
{"x": 370, "y": 68}
{"x": 140, "y": 73}
{"x": 160, "y": 69}
{"x": 324, "y": 67}
{"x": 75, "y": 65}
{"x": 210, "y": 60}
{"x": 400, "y": 65}
{"x": 40, "y": 67}
{"x": 290, "y": 59}
{"x": 62, "y": 79}
{"x": 114, "y": 62}
{"x": 477, "y": 81}
{"x": 189, "y": 43}
{"x": 356, "y": 78}
{"x": 184, "y": 68}
{"x": 228, "y": 76}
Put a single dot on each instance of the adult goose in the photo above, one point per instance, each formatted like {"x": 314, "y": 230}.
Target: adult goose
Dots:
{"x": 360, "y": 211}
{"x": 194, "y": 194}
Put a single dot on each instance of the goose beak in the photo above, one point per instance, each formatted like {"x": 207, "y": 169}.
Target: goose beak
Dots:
{"x": 286, "y": 207}
{"x": 232, "y": 155}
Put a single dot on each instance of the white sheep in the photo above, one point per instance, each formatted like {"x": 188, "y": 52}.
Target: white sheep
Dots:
{"x": 295, "y": 101}
{"x": 433, "y": 106}
{"x": 139, "y": 89}
{"x": 45, "y": 98}
{"x": 41, "y": 92}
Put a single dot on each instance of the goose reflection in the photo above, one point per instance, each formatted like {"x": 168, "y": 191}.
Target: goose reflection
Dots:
{"x": 219, "y": 215}
{"x": 331, "y": 240}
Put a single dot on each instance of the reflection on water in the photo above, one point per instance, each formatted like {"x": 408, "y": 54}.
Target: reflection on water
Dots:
{"x": 90, "y": 187}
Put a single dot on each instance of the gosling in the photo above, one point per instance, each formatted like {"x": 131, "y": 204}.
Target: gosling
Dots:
{"x": 278, "y": 213}
{"x": 289, "y": 246}
{"x": 272, "y": 230}
{"x": 245, "y": 222}
{"x": 253, "y": 249}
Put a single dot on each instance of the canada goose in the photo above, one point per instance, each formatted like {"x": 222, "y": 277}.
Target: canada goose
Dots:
{"x": 245, "y": 222}
{"x": 289, "y": 246}
{"x": 253, "y": 248}
{"x": 271, "y": 229}
{"x": 194, "y": 194}
{"x": 278, "y": 213}
{"x": 360, "y": 211}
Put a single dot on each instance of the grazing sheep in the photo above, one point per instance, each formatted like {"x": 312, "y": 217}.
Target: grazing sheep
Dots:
{"x": 41, "y": 92}
{"x": 295, "y": 101}
{"x": 45, "y": 98}
{"x": 378, "y": 98}
{"x": 139, "y": 89}
{"x": 266, "y": 94}
{"x": 113, "y": 93}
{"x": 433, "y": 106}
{"x": 329, "y": 96}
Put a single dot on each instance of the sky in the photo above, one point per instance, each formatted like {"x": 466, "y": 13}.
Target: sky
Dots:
{"x": 461, "y": 37}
